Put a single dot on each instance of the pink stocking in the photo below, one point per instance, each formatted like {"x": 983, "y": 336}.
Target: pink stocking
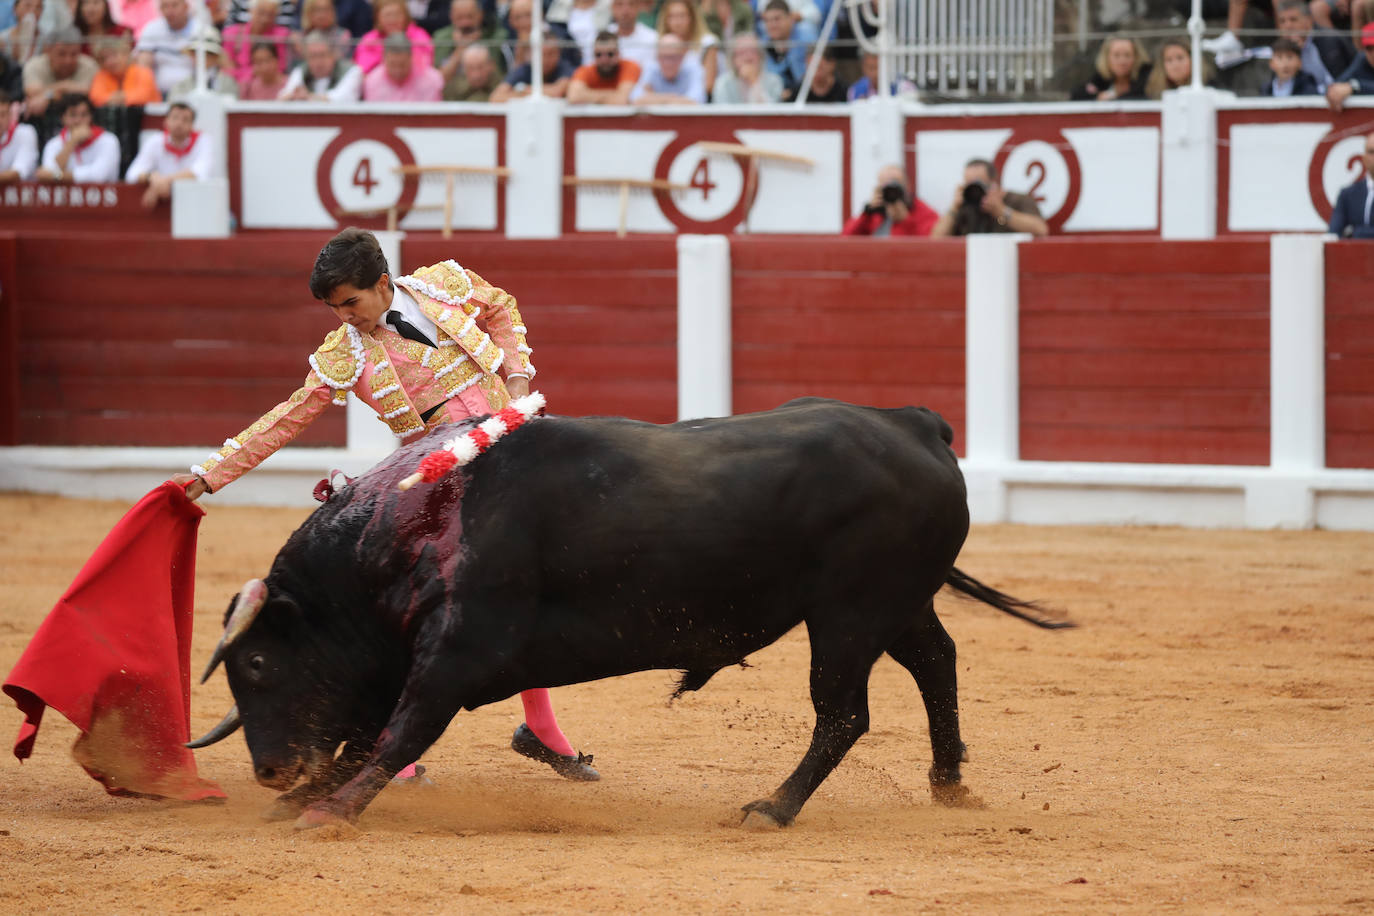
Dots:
{"x": 539, "y": 717}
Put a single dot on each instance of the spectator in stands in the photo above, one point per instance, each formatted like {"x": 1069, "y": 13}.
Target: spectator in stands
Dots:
{"x": 354, "y": 15}
{"x": 867, "y": 85}
{"x": 162, "y": 45}
{"x": 892, "y": 209}
{"x": 81, "y": 151}
{"x": 401, "y": 77}
{"x": 217, "y": 78}
{"x": 1334, "y": 15}
{"x": 11, "y": 77}
{"x": 637, "y": 40}
{"x": 319, "y": 16}
{"x": 516, "y": 47}
{"x": 1358, "y": 78}
{"x": 673, "y": 77}
{"x": 1173, "y": 68}
{"x": 607, "y": 81}
{"x": 477, "y": 80}
{"x": 178, "y": 153}
{"x": 1323, "y": 55}
{"x": 1122, "y": 69}
{"x": 683, "y": 19}
{"x": 326, "y": 76}
{"x": 727, "y": 18}
{"x": 240, "y": 12}
{"x": 1289, "y": 77}
{"x": 577, "y": 23}
{"x": 464, "y": 31}
{"x": 784, "y": 53}
{"x": 61, "y": 70}
{"x": 747, "y": 81}
{"x": 981, "y": 205}
{"x": 18, "y": 143}
{"x": 20, "y": 42}
{"x": 120, "y": 82}
{"x": 826, "y": 87}
{"x": 1353, "y": 214}
{"x": 265, "y": 79}
{"x": 261, "y": 28}
{"x": 805, "y": 16}
{"x": 93, "y": 21}
{"x": 393, "y": 18}
{"x": 134, "y": 14}
{"x": 1226, "y": 46}
{"x": 557, "y": 75}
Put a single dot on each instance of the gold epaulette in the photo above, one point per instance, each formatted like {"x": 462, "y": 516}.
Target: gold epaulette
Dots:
{"x": 340, "y": 359}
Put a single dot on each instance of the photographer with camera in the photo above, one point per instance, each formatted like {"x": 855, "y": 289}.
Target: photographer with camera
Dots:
{"x": 981, "y": 205}
{"x": 892, "y": 210}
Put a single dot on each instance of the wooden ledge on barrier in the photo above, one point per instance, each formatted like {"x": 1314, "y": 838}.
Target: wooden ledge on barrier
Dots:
{"x": 624, "y": 185}
{"x": 450, "y": 173}
{"x": 753, "y": 154}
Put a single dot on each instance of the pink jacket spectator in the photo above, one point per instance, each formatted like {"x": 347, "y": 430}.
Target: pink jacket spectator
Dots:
{"x": 369, "y": 53}
{"x": 238, "y": 47}
{"x": 134, "y": 14}
{"x": 425, "y": 84}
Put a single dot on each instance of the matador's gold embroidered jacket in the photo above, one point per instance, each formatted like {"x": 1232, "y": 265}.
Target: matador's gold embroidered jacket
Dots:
{"x": 481, "y": 343}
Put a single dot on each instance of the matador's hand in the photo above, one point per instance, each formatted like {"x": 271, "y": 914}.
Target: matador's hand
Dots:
{"x": 195, "y": 487}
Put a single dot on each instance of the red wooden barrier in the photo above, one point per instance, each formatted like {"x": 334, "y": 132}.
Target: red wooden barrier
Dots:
{"x": 9, "y": 340}
{"x": 146, "y": 340}
{"x": 873, "y": 321}
{"x": 1145, "y": 351}
{"x": 81, "y": 207}
{"x": 601, "y": 312}
{"x": 1349, "y": 355}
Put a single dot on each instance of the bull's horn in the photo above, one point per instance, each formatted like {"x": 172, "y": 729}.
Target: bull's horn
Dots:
{"x": 251, "y": 598}
{"x": 227, "y": 726}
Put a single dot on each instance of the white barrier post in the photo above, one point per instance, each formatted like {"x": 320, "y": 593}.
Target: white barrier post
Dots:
{"x": 200, "y": 209}
{"x": 1188, "y": 166}
{"x": 534, "y": 154}
{"x": 704, "y": 377}
{"x": 875, "y": 131}
{"x": 1297, "y": 385}
{"x": 992, "y": 424}
{"x": 366, "y": 432}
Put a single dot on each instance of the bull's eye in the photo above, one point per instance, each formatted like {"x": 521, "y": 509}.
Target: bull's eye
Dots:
{"x": 256, "y": 663}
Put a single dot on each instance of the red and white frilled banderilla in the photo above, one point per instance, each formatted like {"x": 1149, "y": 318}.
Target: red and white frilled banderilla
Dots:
{"x": 462, "y": 449}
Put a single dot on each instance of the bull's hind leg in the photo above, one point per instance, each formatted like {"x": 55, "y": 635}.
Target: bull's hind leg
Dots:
{"x": 839, "y": 693}
{"x": 927, "y": 651}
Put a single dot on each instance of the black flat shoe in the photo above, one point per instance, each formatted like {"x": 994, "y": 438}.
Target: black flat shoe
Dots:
{"x": 579, "y": 768}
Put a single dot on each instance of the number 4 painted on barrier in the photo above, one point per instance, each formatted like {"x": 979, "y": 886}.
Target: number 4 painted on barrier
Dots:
{"x": 701, "y": 179}
{"x": 362, "y": 175}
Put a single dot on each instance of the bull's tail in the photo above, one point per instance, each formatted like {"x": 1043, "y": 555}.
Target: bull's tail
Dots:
{"x": 1028, "y": 611}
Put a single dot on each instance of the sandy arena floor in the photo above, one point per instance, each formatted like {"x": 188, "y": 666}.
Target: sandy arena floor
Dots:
{"x": 1201, "y": 744}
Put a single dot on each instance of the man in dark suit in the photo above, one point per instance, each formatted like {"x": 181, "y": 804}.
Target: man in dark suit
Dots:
{"x": 1353, "y": 216}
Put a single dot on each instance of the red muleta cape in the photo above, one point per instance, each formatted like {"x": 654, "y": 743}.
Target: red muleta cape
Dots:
{"x": 114, "y": 655}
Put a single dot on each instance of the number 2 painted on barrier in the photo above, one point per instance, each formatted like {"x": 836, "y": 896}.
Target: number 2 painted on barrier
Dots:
{"x": 1032, "y": 166}
{"x": 701, "y": 179}
{"x": 362, "y": 176}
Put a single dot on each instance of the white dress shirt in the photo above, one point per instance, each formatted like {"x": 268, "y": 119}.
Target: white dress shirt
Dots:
{"x": 19, "y": 151}
{"x": 156, "y": 157}
{"x": 97, "y": 162}
{"x": 404, "y": 303}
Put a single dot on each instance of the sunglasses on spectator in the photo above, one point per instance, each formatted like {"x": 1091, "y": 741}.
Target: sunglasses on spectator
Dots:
{"x": 607, "y": 54}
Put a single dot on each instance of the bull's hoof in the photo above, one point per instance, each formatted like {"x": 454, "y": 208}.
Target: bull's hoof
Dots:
{"x": 579, "y": 769}
{"x": 283, "y": 809}
{"x": 317, "y": 817}
{"x": 763, "y": 815}
{"x": 954, "y": 795}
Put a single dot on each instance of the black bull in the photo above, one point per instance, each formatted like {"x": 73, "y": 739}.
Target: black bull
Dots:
{"x": 578, "y": 549}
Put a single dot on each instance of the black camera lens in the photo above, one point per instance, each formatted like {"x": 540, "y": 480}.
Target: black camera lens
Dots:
{"x": 894, "y": 193}
{"x": 974, "y": 192}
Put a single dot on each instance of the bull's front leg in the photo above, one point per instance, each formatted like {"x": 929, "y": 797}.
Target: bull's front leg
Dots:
{"x": 290, "y": 804}
{"x": 432, "y": 697}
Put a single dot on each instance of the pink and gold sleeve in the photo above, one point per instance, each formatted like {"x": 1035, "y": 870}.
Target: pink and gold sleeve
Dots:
{"x": 505, "y": 327}
{"x": 274, "y": 429}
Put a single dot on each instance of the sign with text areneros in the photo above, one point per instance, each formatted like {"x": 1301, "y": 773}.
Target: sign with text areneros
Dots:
{"x": 80, "y": 206}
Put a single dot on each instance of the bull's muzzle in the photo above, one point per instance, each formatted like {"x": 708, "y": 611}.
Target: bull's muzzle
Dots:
{"x": 227, "y": 726}
{"x": 251, "y": 598}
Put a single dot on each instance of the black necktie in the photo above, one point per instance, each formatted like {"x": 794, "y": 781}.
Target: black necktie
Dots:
{"x": 406, "y": 329}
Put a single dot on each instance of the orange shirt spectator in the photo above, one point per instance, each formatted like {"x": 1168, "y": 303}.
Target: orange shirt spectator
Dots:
{"x": 120, "y": 82}
{"x": 609, "y": 80}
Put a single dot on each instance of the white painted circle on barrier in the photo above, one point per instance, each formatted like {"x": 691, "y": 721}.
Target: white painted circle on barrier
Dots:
{"x": 363, "y": 176}
{"x": 1037, "y": 169}
{"x": 1342, "y": 165}
{"x": 716, "y": 183}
